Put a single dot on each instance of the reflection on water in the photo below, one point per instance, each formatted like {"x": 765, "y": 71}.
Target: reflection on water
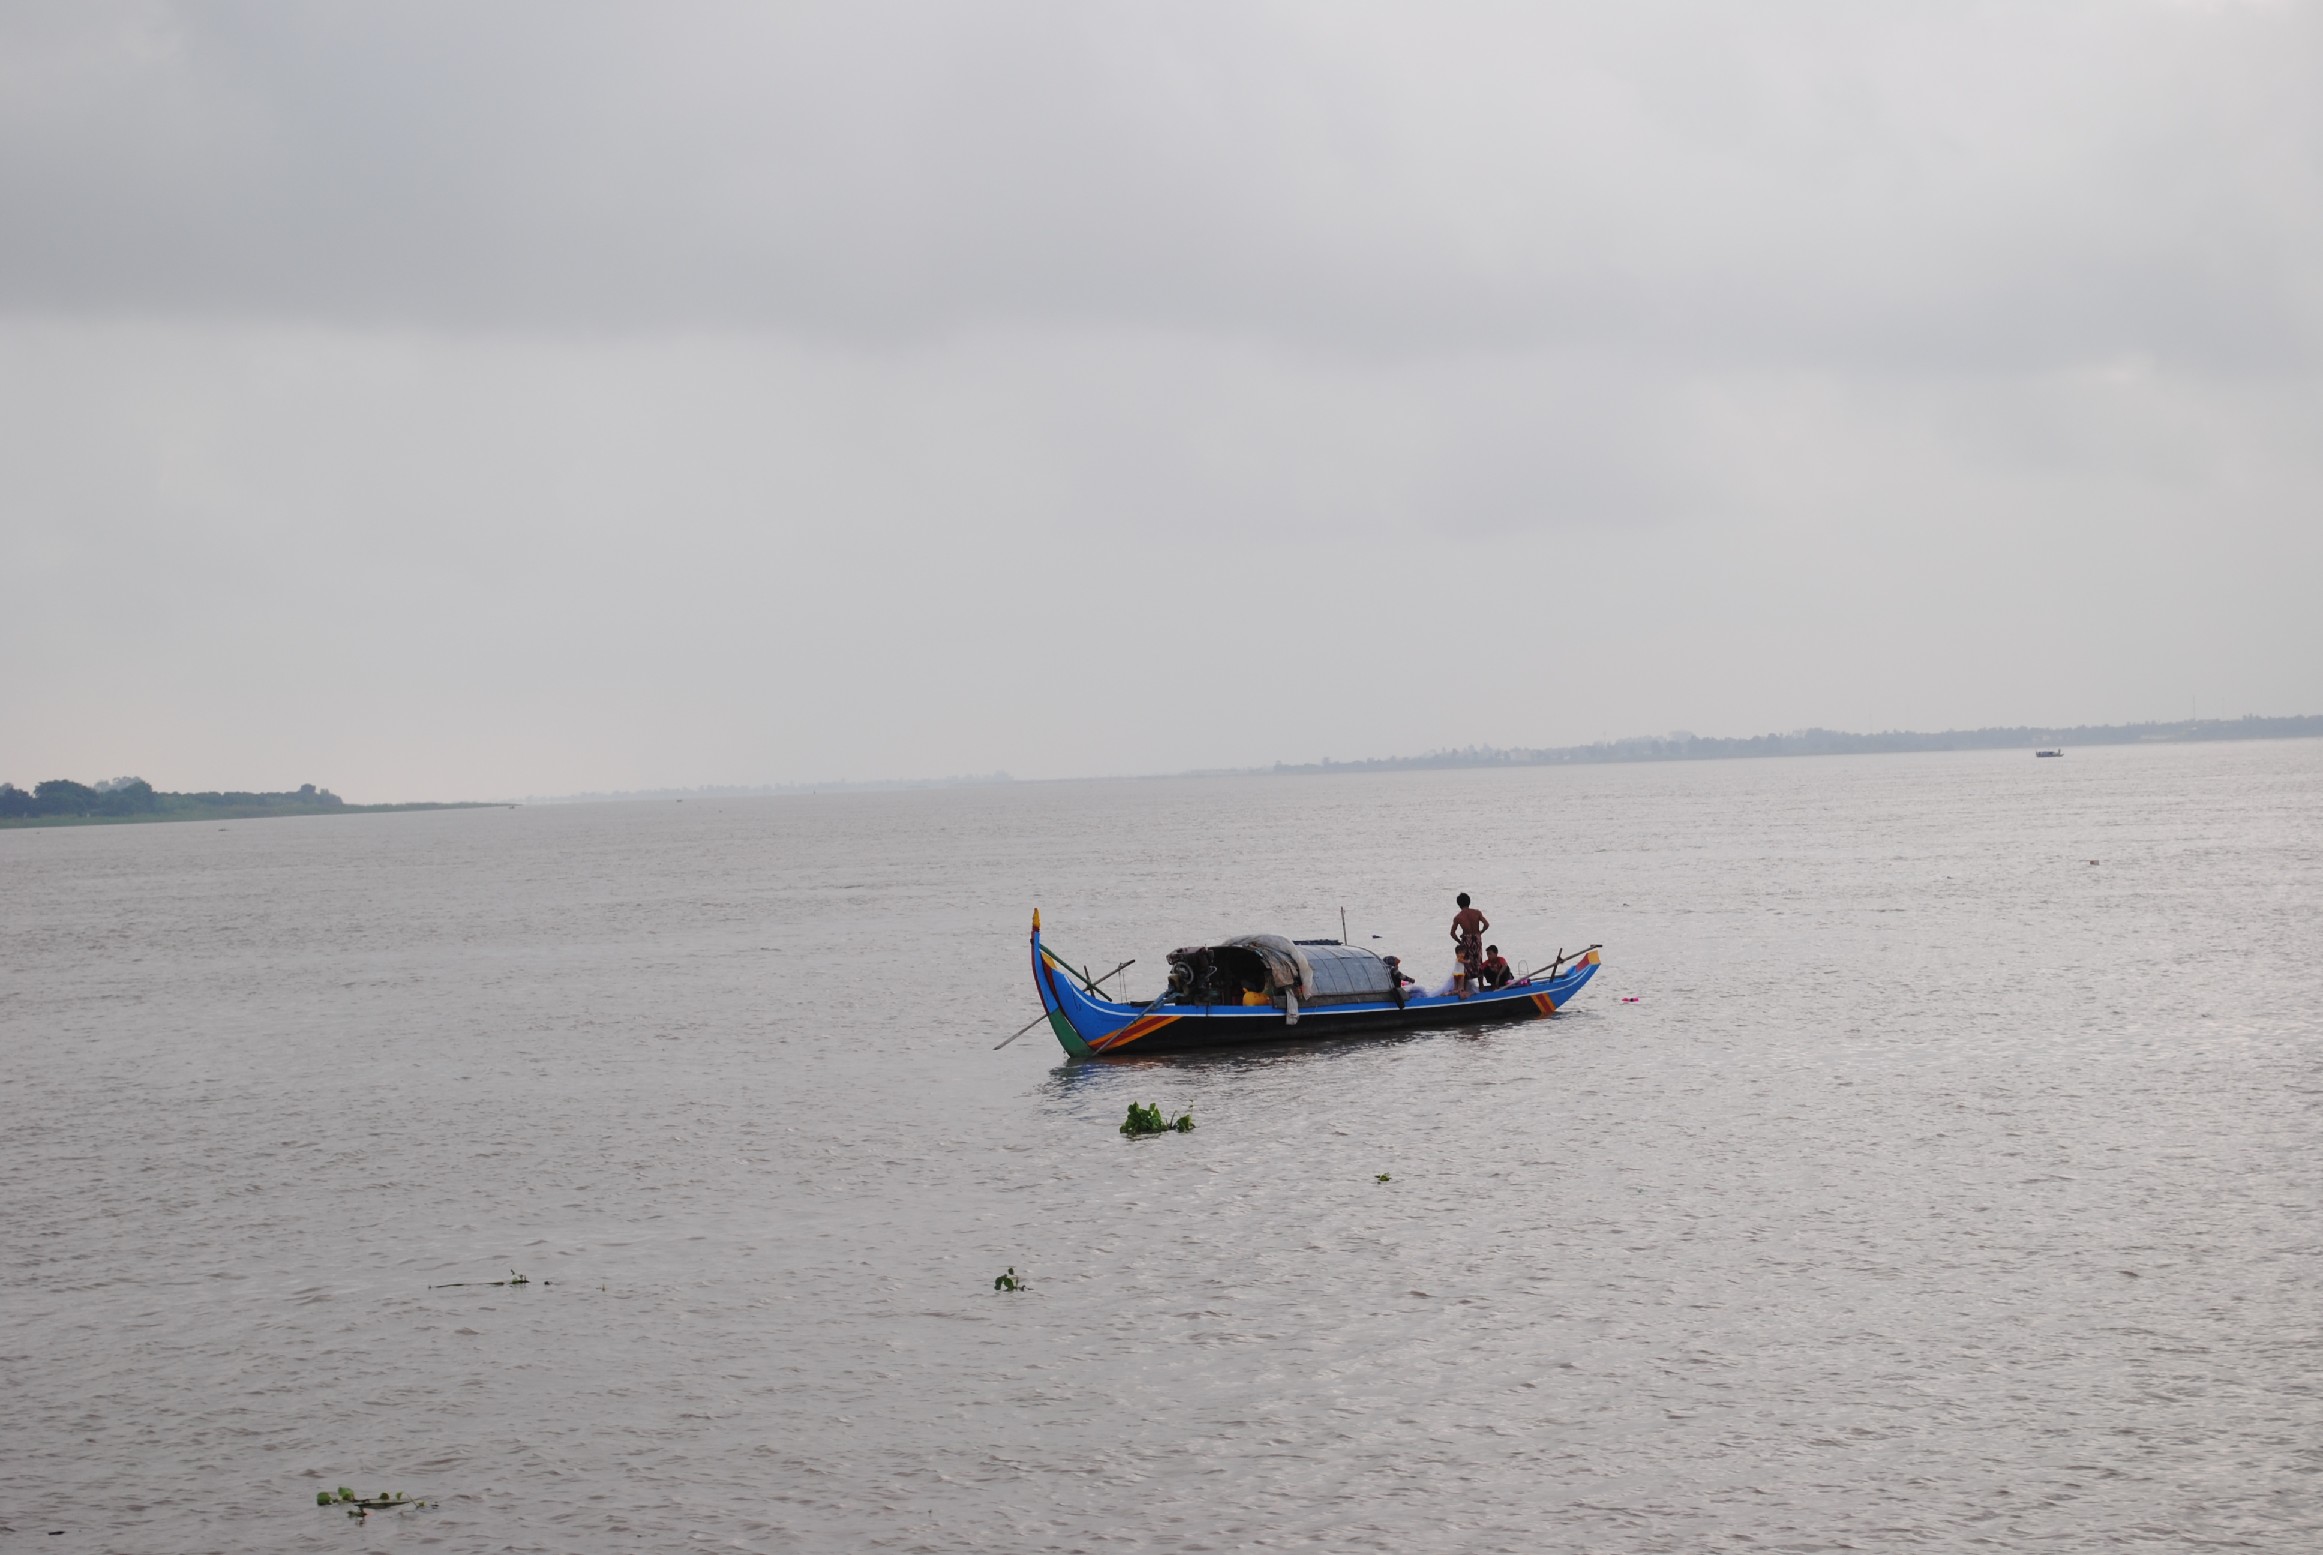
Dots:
{"x": 1941, "y": 1191}
{"x": 1074, "y": 1077}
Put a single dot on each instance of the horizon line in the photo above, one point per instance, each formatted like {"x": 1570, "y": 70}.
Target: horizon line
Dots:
{"x": 1678, "y": 745}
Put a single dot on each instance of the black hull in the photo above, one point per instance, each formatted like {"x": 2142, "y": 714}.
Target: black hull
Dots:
{"x": 1194, "y": 1032}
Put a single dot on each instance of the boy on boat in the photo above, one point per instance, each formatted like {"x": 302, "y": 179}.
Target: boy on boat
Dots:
{"x": 1494, "y": 972}
{"x": 1468, "y": 926}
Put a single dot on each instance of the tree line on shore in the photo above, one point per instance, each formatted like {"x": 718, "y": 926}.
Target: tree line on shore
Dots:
{"x": 1832, "y": 742}
{"x": 128, "y": 798}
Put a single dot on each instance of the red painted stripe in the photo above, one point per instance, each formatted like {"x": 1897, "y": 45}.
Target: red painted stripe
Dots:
{"x": 1143, "y": 1026}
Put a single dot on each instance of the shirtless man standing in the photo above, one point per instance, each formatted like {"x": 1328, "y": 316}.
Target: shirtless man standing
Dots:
{"x": 1468, "y": 926}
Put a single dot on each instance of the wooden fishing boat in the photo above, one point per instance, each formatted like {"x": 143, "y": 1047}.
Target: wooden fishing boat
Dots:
{"x": 1312, "y": 988}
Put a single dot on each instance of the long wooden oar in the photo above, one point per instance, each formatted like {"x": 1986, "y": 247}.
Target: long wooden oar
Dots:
{"x": 1551, "y": 968}
{"x": 1044, "y": 1015}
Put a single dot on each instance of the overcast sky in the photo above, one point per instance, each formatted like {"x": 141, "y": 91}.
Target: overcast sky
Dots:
{"x": 444, "y": 401}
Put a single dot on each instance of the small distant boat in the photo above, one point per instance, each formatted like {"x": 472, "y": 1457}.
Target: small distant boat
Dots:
{"x": 2059, "y": 752}
{"x": 1311, "y": 988}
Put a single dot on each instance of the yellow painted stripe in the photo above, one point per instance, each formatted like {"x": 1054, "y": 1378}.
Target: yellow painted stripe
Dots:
{"x": 1546, "y": 1005}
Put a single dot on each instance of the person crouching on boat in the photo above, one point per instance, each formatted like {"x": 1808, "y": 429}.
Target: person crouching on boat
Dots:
{"x": 1468, "y": 926}
{"x": 1494, "y": 971}
{"x": 1397, "y": 980}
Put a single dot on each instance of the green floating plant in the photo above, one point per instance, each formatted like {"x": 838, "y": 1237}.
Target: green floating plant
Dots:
{"x": 1148, "y": 1119}
{"x": 1383, "y": 1176}
{"x": 514, "y": 1278}
{"x": 1010, "y": 1281}
{"x": 358, "y": 1506}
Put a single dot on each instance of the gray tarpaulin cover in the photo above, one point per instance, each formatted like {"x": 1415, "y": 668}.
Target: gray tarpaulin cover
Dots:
{"x": 1287, "y": 967}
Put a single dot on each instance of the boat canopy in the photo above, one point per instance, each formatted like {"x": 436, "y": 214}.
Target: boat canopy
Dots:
{"x": 1316, "y": 971}
{"x": 1287, "y": 966}
{"x": 1344, "y": 972}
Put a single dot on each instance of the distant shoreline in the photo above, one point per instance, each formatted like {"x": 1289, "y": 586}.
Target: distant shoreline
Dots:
{"x": 1673, "y": 747}
{"x": 1818, "y": 742}
{"x": 35, "y": 822}
{"x": 1676, "y": 747}
{"x": 133, "y": 801}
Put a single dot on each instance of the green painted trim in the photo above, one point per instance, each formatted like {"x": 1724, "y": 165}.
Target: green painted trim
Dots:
{"x": 1067, "y": 1037}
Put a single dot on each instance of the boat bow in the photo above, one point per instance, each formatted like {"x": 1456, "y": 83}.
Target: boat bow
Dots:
{"x": 1084, "y": 1023}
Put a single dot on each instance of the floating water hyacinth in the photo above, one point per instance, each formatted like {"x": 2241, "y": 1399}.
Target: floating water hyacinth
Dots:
{"x": 514, "y": 1278}
{"x": 1010, "y": 1281}
{"x": 363, "y": 1506}
{"x": 1149, "y": 1120}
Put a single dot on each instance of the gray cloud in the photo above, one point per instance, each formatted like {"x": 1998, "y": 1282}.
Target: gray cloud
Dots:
{"x": 511, "y": 399}
{"x": 1982, "y": 185}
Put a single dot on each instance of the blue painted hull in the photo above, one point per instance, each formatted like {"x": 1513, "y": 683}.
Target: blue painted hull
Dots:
{"x": 1089, "y": 1027}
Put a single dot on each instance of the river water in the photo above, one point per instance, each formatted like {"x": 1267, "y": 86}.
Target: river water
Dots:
{"x": 1952, "y": 1183}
